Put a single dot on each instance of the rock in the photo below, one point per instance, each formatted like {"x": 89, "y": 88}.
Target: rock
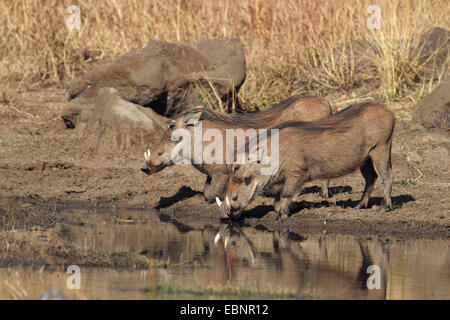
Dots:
{"x": 165, "y": 76}
{"x": 111, "y": 124}
{"x": 434, "y": 46}
{"x": 73, "y": 110}
{"x": 434, "y": 39}
{"x": 433, "y": 50}
{"x": 434, "y": 137}
{"x": 359, "y": 50}
{"x": 355, "y": 56}
{"x": 400, "y": 167}
{"x": 433, "y": 110}
{"x": 436, "y": 158}
{"x": 358, "y": 56}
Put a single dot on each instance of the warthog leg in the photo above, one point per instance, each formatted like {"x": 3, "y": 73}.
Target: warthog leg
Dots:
{"x": 370, "y": 176}
{"x": 276, "y": 191}
{"x": 291, "y": 187}
{"x": 381, "y": 157}
{"x": 324, "y": 189}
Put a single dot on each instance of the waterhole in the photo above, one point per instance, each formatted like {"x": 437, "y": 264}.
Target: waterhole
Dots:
{"x": 205, "y": 259}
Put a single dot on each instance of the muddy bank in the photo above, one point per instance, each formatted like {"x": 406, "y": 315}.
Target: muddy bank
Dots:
{"x": 43, "y": 163}
{"x": 310, "y": 214}
{"x": 420, "y": 202}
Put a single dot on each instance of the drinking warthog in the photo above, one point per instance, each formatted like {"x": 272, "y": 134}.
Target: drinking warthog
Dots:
{"x": 358, "y": 137}
{"x": 294, "y": 108}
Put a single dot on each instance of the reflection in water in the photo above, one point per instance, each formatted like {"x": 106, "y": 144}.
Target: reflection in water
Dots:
{"x": 311, "y": 266}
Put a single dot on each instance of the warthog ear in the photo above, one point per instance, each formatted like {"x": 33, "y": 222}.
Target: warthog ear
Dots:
{"x": 192, "y": 118}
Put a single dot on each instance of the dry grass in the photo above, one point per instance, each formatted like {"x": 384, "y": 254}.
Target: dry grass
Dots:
{"x": 290, "y": 45}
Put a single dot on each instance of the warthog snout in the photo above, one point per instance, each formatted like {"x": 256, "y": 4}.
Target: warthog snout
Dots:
{"x": 229, "y": 209}
{"x": 145, "y": 170}
{"x": 153, "y": 164}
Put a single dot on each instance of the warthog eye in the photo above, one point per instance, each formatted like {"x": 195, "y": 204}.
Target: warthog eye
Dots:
{"x": 176, "y": 139}
{"x": 247, "y": 181}
{"x": 171, "y": 125}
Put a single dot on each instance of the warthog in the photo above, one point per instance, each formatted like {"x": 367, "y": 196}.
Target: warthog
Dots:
{"x": 358, "y": 137}
{"x": 294, "y": 108}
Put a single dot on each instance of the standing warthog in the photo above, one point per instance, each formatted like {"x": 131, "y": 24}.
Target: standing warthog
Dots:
{"x": 294, "y": 108}
{"x": 358, "y": 137}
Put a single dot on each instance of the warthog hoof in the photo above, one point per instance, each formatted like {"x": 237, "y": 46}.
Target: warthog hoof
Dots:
{"x": 361, "y": 205}
{"x": 385, "y": 208}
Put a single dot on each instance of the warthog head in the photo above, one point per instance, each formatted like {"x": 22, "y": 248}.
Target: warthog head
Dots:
{"x": 243, "y": 186}
{"x": 236, "y": 244}
{"x": 161, "y": 157}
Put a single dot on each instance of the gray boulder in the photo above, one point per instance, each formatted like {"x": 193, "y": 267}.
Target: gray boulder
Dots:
{"x": 166, "y": 76}
{"x": 434, "y": 46}
{"x": 433, "y": 110}
{"x": 111, "y": 124}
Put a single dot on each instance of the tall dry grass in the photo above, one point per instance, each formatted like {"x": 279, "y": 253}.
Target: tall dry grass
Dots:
{"x": 290, "y": 45}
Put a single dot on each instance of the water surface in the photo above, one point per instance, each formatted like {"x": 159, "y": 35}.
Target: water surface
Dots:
{"x": 209, "y": 259}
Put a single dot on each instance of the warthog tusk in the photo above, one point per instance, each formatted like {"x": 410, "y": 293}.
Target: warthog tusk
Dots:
{"x": 219, "y": 203}
{"x": 147, "y": 156}
{"x": 217, "y": 238}
{"x": 254, "y": 188}
{"x": 227, "y": 206}
{"x": 251, "y": 255}
{"x": 226, "y": 242}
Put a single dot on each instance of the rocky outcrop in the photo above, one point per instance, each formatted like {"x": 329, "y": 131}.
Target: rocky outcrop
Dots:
{"x": 433, "y": 110}
{"x": 111, "y": 124}
{"x": 434, "y": 46}
{"x": 167, "y": 77}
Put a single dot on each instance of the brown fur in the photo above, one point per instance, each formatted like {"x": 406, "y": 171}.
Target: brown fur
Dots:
{"x": 357, "y": 137}
{"x": 294, "y": 108}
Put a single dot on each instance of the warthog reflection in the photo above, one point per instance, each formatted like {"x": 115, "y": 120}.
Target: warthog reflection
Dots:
{"x": 311, "y": 264}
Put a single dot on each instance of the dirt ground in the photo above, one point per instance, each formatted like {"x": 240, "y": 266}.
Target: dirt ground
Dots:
{"x": 43, "y": 163}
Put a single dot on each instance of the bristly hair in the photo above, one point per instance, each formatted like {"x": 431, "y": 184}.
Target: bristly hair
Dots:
{"x": 261, "y": 119}
{"x": 336, "y": 123}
